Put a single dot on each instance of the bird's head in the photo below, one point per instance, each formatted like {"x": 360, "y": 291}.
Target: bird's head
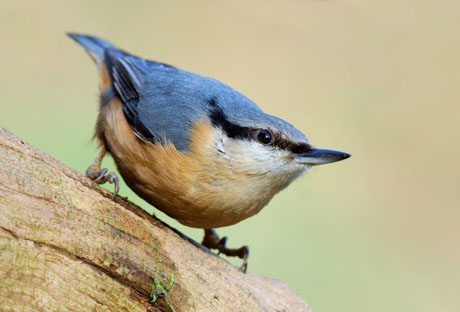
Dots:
{"x": 262, "y": 145}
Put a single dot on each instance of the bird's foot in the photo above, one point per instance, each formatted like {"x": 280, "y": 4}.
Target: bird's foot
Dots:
{"x": 100, "y": 176}
{"x": 213, "y": 241}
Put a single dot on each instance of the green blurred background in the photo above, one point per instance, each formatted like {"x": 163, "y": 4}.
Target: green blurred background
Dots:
{"x": 378, "y": 79}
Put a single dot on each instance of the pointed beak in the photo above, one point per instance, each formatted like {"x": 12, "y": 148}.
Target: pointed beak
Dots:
{"x": 318, "y": 156}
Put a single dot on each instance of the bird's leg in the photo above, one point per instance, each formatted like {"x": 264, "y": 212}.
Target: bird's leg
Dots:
{"x": 213, "y": 241}
{"x": 100, "y": 176}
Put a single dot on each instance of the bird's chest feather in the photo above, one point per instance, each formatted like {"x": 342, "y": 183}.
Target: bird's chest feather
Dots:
{"x": 200, "y": 188}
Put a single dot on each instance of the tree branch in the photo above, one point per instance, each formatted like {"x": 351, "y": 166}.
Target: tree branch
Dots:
{"x": 66, "y": 245}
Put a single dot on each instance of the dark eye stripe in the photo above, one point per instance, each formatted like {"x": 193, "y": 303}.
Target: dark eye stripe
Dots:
{"x": 296, "y": 148}
{"x": 234, "y": 131}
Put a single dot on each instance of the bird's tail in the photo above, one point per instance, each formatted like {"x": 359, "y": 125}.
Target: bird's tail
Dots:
{"x": 95, "y": 47}
{"x": 104, "y": 54}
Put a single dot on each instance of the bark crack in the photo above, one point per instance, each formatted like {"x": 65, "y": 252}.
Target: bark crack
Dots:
{"x": 139, "y": 291}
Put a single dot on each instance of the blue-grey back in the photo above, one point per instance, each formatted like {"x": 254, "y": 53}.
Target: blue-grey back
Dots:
{"x": 172, "y": 100}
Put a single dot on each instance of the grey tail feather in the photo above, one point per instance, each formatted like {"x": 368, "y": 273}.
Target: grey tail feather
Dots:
{"x": 94, "y": 46}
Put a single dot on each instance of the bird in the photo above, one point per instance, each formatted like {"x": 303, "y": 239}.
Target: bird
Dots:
{"x": 193, "y": 147}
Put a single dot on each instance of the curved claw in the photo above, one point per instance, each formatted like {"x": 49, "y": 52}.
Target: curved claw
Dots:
{"x": 110, "y": 177}
{"x": 100, "y": 176}
{"x": 113, "y": 179}
{"x": 245, "y": 252}
{"x": 212, "y": 241}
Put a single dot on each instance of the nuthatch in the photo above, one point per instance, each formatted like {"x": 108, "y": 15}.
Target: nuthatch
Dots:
{"x": 193, "y": 147}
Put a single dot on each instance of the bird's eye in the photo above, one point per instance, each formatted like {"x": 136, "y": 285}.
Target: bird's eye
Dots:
{"x": 264, "y": 137}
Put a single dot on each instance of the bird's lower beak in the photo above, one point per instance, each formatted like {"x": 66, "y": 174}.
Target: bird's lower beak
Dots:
{"x": 317, "y": 156}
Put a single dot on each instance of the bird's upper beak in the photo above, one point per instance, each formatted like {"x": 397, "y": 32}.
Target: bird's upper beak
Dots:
{"x": 317, "y": 156}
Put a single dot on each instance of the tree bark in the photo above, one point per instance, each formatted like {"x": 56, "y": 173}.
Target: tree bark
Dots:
{"x": 66, "y": 245}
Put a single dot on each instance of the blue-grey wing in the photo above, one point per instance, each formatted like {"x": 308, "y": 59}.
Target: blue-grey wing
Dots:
{"x": 153, "y": 100}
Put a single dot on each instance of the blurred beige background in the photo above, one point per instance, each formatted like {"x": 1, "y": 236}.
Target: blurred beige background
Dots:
{"x": 378, "y": 79}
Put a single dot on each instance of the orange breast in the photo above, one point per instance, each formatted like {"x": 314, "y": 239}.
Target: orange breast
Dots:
{"x": 198, "y": 188}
